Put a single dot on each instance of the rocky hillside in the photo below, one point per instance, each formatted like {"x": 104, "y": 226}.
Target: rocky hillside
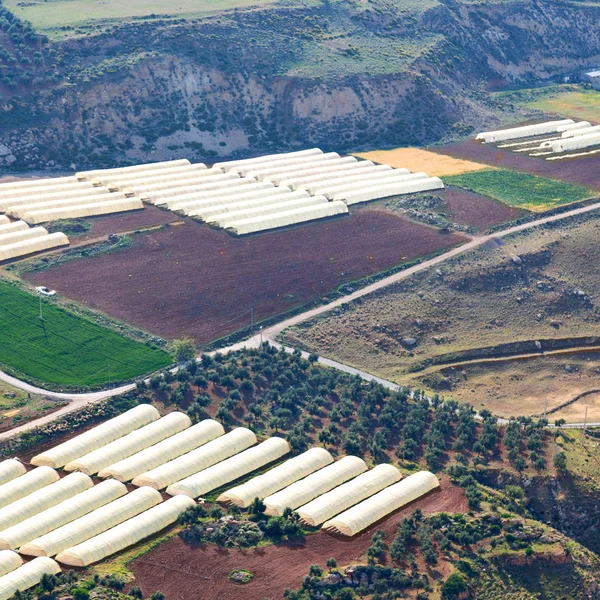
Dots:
{"x": 341, "y": 75}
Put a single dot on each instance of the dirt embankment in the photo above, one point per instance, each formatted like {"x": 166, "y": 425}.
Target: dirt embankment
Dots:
{"x": 187, "y": 573}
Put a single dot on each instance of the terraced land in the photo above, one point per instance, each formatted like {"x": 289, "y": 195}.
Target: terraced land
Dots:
{"x": 522, "y": 190}
{"x": 444, "y": 329}
{"x": 64, "y": 349}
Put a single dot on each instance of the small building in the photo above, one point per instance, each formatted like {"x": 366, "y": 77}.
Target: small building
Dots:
{"x": 591, "y": 76}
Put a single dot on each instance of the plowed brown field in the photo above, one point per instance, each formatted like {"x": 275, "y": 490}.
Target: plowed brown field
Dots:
{"x": 584, "y": 171}
{"x": 194, "y": 281}
{"x": 183, "y": 572}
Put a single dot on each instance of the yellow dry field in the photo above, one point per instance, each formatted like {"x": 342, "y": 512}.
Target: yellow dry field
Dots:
{"x": 416, "y": 160}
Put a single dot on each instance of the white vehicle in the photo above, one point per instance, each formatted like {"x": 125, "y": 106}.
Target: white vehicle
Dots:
{"x": 44, "y": 291}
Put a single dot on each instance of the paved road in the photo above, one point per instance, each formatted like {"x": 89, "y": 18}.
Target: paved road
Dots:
{"x": 270, "y": 334}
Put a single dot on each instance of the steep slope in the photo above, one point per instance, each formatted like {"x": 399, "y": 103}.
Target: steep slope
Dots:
{"x": 342, "y": 74}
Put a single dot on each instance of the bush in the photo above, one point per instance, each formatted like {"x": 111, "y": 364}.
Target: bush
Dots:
{"x": 455, "y": 585}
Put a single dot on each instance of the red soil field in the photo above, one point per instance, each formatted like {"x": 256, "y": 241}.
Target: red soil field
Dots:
{"x": 467, "y": 208}
{"x": 183, "y": 572}
{"x": 583, "y": 171}
{"x": 135, "y": 220}
{"x": 195, "y": 281}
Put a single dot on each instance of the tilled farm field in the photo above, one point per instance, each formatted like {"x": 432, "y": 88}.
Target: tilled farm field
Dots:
{"x": 584, "y": 171}
{"x": 182, "y": 571}
{"x": 194, "y": 281}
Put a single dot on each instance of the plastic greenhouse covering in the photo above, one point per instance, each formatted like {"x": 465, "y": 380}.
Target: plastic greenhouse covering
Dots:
{"x": 270, "y": 209}
{"x": 288, "y": 163}
{"x": 271, "y": 169}
{"x": 82, "y": 210}
{"x": 21, "y": 236}
{"x": 12, "y": 227}
{"x": 149, "y": 175}
{"x": 94, "y": 523}
{"x": 359, "y": 517}
{"x": 44, "y": 498}
{"x": 61, "y": 514}
{"x": 4, "y": 220}
{"x": 26, "y": 484}
{"x": 576, "y": 143}
{"x": 126, "y": 534}
{"x": 240, "y": 194}
{"x": 521, "y": 132}
{"x": 8, "y": 197}
{"x": 151, "y": 167}
{"x": 250, "y": 204}
{"x": 231, "y": 469}
{"x": 358, "y": 170}
{"x": 330, "y": 166}
{"x": 178, "y": 179}
{"x": 578, "y": 132}
{"x": 27, "y": 576}
{"x": 222, "y": 182}
{"x": 291, "y": 217}
{"x": 22, "y": 209}
{"x": 169, "y": 449}
{"x": 233, "y": 164}
{"x": 277, "y": 478}
{"x": 133, "y": 442}
{"x": 25, "y": 183}
{"x": 38, "y": 244}
{"x": 328, "y": 505}
{"x": 39, "y": 197}
{"x": 99, "y": 436}
{"x": 396, "y": 189}
{"x": 201, "y": 458}
{"x": 251, "y": 187}
{"x": 11, "y": 469}
{"x": 573, "y": 126}
{"x": 314, "y": 485}
{"x": 333, "y": 187}
{"x": 9, "y": 561}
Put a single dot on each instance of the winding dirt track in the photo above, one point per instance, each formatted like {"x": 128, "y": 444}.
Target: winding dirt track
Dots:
{"x": 270, "y": 334}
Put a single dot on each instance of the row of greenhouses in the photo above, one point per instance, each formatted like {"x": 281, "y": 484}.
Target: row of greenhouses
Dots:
{"x": 18, "y": 239}
{"x": 552, "y": 140}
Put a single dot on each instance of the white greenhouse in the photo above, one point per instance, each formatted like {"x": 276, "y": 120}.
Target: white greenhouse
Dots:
{"x": 576, "y": 143}
{"x": 578, "y": 132}
{"x": 201, "y": 458}
{"x": 168, "y": 196}
{"x": 265, "y": 196}
{"x": 9, "y": 561}
{"x": 522, "y": 132}
{"x": 335, "y": 501}
{"x": 26, "y": 484}
{"x": 44, "y": 498}
{"x": 357, "y": 170}
{"x": 38, "y": 197}
{"x": 27, "y": 576}
{"x": 314, "y": 485}
{"x": 21, "y": 209}
{"x": 92, "y": 524}
{"x": 133, "y": 442}
{"x": 4, "y": 220}
{"x": 163, "y": 452}
{"x": 231, "y": 469}
{"x": 271, "y": 169}
{"x": 573, "y": 126}
{"x": 223, "y": 218}
{"x": 277, "y": 478}
{"x": 16, "y": 185}
{"x": 284, "y": 219}
{"x": 30, "y": 246}
{"x": 21, "y": 236}
{"x": 126, "y": 534}
{"x": 148, "y": 167}
{"x": 61, "y": 514}
{"x": 330, "y": 164}
{"x": 10, "y": 196}
{"x": 149, "y": 175}
{"x": 97, "y": 437}
{"x": 82, "y": 210}
{"x": 367, "y": 194}
{"x": 361, "y": 516}
{"x": 226, "y": 181}
{"x": 12, "y": 227}
{"x": 11, "y": 469}
{"x": 333, "y": 187}
{"x": 234, "y": 164}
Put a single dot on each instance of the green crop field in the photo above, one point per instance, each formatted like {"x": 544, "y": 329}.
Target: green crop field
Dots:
{"x": 520, "y": 189}
{"x": 51, "y": 16}
{"x": 64, "y": 349}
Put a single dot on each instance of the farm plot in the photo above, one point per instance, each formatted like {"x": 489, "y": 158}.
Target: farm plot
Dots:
{"x": 540, "y": 286}
{"x": 583, "y": 171}
{"x": 196, "y": 281}
{"x": 416, "y": 159}
{"x": 521, "y": 189}
{"x": 64, "y": 349}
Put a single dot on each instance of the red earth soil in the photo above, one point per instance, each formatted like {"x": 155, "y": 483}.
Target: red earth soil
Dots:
{"x": 467, "y": 208}
{"x": 183, "y": 572}
{"x": 135, "y": 220}
{"x": 195, "y": 281}
{"x": 583, "y": 171}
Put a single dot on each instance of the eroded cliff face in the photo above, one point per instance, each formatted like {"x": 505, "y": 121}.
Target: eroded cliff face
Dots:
{"x": 238, "y": 85}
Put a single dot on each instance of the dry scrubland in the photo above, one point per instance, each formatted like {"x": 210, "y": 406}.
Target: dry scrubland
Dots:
{"x": 542, "y": 285}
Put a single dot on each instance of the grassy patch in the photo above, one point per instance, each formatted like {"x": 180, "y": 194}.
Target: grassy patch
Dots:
{"x": 241, "y": 576}
{"x": 65, "y": 349}
{"x": 520, "y": 189}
